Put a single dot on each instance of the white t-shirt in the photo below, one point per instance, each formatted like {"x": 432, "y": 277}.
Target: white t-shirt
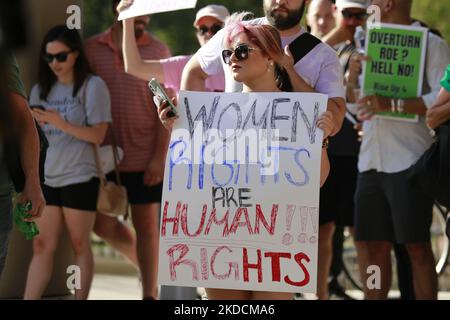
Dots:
{"x": 320, "y": 68}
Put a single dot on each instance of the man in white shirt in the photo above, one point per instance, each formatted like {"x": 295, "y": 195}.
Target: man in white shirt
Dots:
{"x": 320, "y": 71}
{"x": 320, "y": 68}
{"x": 388, "y": 209}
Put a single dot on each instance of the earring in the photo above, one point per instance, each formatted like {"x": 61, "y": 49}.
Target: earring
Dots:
{"x": 269, "y": 66}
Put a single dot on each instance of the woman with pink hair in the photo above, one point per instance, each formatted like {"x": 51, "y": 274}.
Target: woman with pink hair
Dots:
{"x": 256, "y": 59}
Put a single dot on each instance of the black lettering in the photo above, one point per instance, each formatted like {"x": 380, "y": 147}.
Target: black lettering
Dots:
{"x": 242, "y": 198}
{"x": 207, "y": 121}
{"x": 276, "y": 118}
{"x": 216, "y": 198}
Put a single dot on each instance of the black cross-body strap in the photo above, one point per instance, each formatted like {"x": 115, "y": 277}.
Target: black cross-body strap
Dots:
{"x": 303, "y": 45}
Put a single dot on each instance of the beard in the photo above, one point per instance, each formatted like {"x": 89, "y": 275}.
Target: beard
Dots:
{"x": 284, "y": 22}
{"x": 139, "y": 29}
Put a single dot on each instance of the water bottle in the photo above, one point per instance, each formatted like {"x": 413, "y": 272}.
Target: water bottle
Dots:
{"x": 29, "y": 229}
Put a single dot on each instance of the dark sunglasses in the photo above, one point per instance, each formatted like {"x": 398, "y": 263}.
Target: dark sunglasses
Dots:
{"x": 358, "y": 16}
{"x": 60, "y": 57}
{"x": 241, "y": 53}
{"x": 202, "y": 30}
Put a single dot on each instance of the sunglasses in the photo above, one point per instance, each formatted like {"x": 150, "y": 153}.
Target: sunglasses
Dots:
{"x": 357, "y": 16}
{"x": 202, "y": 30}
{"x": 60, "y": 57}
{"x": 241, "y": 53}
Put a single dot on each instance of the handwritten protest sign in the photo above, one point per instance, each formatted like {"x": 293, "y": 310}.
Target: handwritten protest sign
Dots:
{"x": 397, "y": 62}
{"x": 145, "y": 7}
{"x": 241, "y": 192}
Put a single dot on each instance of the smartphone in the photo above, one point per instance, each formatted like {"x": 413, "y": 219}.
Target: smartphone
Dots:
{"x": 158, "y": 91}
{"x": 38, "y": 107}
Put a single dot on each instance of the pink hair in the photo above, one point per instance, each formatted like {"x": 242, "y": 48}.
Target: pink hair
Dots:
{"x": 264, "y": 37}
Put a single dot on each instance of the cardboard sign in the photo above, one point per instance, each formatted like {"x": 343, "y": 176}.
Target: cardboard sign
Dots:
{"x": 146, "y": 7}
{"x": 240, "y": 206}
{"x": 397, "y": 64}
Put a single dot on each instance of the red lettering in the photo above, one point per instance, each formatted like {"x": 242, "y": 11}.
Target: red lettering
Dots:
{"x": 260, "y": 218}
{"x": 213, "y": 218}
{"x": 247, "y": 265}
{"x": 184, "y": 222}
{"x": 204, "y": 263}
{"x": 231, "y": 265}
{"x": 298, "y": 258}
{"x": 183, "y": 249}
{"x": 175, "y": 220}
{"x": 236, "y": 221}
{"x": 275, "y": 257}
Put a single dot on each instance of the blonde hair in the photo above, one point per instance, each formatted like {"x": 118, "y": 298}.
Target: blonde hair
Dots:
{"x": 265, "y": 37}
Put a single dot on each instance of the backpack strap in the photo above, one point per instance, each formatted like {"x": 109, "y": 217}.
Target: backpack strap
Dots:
{"x": 303, "y": 45}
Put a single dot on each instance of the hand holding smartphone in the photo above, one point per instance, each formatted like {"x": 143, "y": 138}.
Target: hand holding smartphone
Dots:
{"x": 158, "y": 91}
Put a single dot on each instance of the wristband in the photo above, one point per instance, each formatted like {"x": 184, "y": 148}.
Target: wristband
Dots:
{"x": 400, "y": 105}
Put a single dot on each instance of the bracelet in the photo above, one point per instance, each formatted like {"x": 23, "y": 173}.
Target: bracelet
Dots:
{"x": 325, "y": 143}
{"x": 393, "y": 105}
{"x": 352, "y": 85}
{"x": 400, "y": 105}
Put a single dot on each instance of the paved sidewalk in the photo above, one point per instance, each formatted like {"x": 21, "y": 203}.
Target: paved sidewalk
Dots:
{"x": 126, "y": 287}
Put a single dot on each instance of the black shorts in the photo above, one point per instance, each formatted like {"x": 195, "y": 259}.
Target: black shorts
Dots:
{"x": 337, "y": 194}
{"x": 388, "y": 208}
{"x": 80, "y": 196}
{"x": 138, "y": 192}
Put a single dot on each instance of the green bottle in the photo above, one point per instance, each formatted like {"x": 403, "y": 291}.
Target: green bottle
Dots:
{"x": 30, "y": 229}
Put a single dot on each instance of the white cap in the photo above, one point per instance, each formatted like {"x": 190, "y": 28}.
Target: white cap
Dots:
{"x": 213, "y": 10}
{"x": 345, "y": 4}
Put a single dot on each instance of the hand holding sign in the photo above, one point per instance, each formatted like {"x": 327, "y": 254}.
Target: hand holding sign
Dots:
{"x": 397, "y": 66}
{"x": 136, "y": 8}
{"x": 237, "y": 164}
{"x": 370, "y": 105}
{"x": 325, "y": 123}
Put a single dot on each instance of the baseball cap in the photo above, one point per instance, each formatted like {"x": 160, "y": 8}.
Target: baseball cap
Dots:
{"x": 344, "y": 4}
{"x": 213, "y": 10}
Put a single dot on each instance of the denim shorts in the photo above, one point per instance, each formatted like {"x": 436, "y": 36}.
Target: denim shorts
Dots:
{"x": 5, "y": 228}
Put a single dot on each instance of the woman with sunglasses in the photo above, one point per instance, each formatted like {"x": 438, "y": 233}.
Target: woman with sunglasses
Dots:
{"x": 73, "y": 108}
{"x": 209, "y": 20}
{"x": 256, "y": 59}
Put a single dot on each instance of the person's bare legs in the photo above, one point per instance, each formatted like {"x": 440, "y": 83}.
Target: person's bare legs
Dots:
{"x": 118, "y": 235}
{"x": 376, "y": 253}
{"x": 424, "y": 272}
{"x": 228, "y": 294}
{"x": 50, "y": 225}
{"x": 325, "y": 257}
{"x": 362, "y": 257}
{"x": 146, "y": 223}
{"x": 80, "y": 223}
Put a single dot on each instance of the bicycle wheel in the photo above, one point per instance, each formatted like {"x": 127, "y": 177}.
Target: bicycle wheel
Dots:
{"x": 439, "y": 242}
{"x": 350, "y": 268}
{"x": 439, "y": 239}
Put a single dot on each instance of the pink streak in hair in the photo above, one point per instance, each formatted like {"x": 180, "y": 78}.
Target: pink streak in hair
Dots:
{"x": 233, "y": 29}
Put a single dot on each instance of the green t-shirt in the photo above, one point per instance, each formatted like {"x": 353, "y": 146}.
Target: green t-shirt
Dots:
{"x": 445, "y": 82}
{"x": 14, "y": 85}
